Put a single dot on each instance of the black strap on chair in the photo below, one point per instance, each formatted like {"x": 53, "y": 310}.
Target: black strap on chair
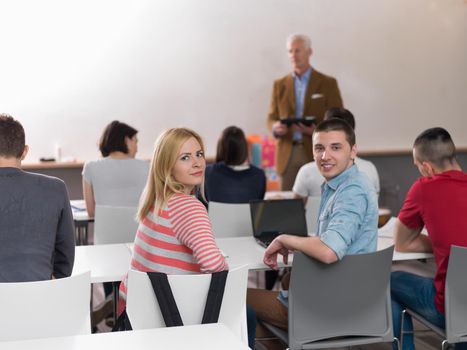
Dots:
{"x": 165, "y": 298}
{"x": 168, "y": 306}
{"x": 215, "y": 296}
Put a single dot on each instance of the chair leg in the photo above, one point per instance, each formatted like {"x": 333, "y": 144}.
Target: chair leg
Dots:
{"x": 403, "y": 313}
{"x": 444, "y": 345}
{"x": 401, "y": 335}
{"x": 398, "y": 343}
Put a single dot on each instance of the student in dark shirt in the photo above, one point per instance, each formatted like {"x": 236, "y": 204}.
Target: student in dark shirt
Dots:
{"x": 37, "y": 239}
{"x": 232, "y": 179}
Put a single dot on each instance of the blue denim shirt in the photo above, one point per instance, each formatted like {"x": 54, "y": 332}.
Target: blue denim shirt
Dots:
{"x": 348, "y": 216}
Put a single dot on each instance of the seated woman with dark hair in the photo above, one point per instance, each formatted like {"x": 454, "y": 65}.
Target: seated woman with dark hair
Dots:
{"x": 232, "y": 179}
{"x": 118, "y": 178}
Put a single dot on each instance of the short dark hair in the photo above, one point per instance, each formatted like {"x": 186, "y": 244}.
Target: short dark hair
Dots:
{"x": 340, "y": 113}
{"x": 435, "y": 145}
{"x": 232, "y": 147}
{"x": 12, "y": 138}
{"x": 335, "y": 124}
{"x": 113, "y": 138}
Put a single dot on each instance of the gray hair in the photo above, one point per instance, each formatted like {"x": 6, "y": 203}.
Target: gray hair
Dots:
{"x": 302, "y": 37}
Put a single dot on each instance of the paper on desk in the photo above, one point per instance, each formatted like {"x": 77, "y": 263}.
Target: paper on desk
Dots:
{"x": 78, "y": 205}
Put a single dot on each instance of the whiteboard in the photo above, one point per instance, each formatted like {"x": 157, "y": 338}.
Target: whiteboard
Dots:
{"x": 70, "y": 67}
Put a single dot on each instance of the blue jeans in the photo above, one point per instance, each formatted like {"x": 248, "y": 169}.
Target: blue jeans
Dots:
{"x": 417, "y": 293}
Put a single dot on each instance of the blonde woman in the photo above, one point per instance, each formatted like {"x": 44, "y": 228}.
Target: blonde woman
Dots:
{"x": 174, "y": 235}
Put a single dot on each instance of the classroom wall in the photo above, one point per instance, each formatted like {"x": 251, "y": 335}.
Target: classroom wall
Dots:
{"x": 70, "y": 67}
{"x": 397, "y": 174}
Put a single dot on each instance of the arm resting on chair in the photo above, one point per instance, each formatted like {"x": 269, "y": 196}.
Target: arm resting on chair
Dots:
{"x": 311, "y": 246}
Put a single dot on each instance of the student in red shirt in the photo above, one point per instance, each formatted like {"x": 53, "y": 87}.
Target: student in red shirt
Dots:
{"x": 438, "y": 202}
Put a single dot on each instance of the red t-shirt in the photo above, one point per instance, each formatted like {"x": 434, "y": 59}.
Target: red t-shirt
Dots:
{"x": 440, "y": 204}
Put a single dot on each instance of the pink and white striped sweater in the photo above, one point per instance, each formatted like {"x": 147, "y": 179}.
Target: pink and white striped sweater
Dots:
{"x": 177, "y": 241}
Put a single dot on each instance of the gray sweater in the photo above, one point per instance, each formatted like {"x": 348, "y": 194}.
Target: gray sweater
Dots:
{"x": 36, "y": 227}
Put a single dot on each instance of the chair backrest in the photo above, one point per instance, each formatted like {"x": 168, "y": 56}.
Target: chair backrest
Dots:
{"x": 114, "y": 224}
{"x": 230, "y": 219}
{"x": 350, "y": 298}
{"x": 311, "y": 212}
{"x": 190, "y": 293}
{"x": 44, "y": 309}
{"x": 455, "y": 292}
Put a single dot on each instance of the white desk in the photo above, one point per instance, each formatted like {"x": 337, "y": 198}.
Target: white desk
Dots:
{"x": 239, "y": 251}
{"x": 107, "y": 262}
{"x": 384, "y": 242}
{"x": 245, "y": 250}
{"x": 207, "y": 337}
{"x": 386, "y": 239}
{"x": 110, "y": 262}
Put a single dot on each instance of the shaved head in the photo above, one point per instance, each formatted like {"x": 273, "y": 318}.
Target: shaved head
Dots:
{"x": 435, "y": 145}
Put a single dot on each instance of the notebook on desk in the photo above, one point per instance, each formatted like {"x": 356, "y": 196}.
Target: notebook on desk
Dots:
{"x": 270, "y": 218}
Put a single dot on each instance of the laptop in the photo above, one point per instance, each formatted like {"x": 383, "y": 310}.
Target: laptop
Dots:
{"x": 270, "y": 218}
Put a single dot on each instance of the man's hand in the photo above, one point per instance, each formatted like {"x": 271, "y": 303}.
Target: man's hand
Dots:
{"x": 279, "y": 129}
{"x": 305, "y": 130}
{"x": 270, "y": 255}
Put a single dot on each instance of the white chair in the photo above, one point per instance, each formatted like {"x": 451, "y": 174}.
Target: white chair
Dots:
{"x": 230, "y": 219}
{"x": 311, "y": 212}
{"x": 190, "y": 293}
{"x": 44, "y": 309}
{"x": 114, "y": 224}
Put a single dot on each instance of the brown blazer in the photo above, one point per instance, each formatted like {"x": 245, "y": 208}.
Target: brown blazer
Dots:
{"x": 322, "y": 93}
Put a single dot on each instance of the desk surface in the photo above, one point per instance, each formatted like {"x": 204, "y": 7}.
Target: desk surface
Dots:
{"x": 207, "y": 337}
{"x": 110, "y": 262}
{"x": 245, "y": 250}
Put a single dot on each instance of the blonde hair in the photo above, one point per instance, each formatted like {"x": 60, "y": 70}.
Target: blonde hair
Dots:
{"x": 161, "y": 185}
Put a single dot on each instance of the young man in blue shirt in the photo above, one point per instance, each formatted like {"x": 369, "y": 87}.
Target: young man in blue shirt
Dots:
{"x": 347, "y": 221}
